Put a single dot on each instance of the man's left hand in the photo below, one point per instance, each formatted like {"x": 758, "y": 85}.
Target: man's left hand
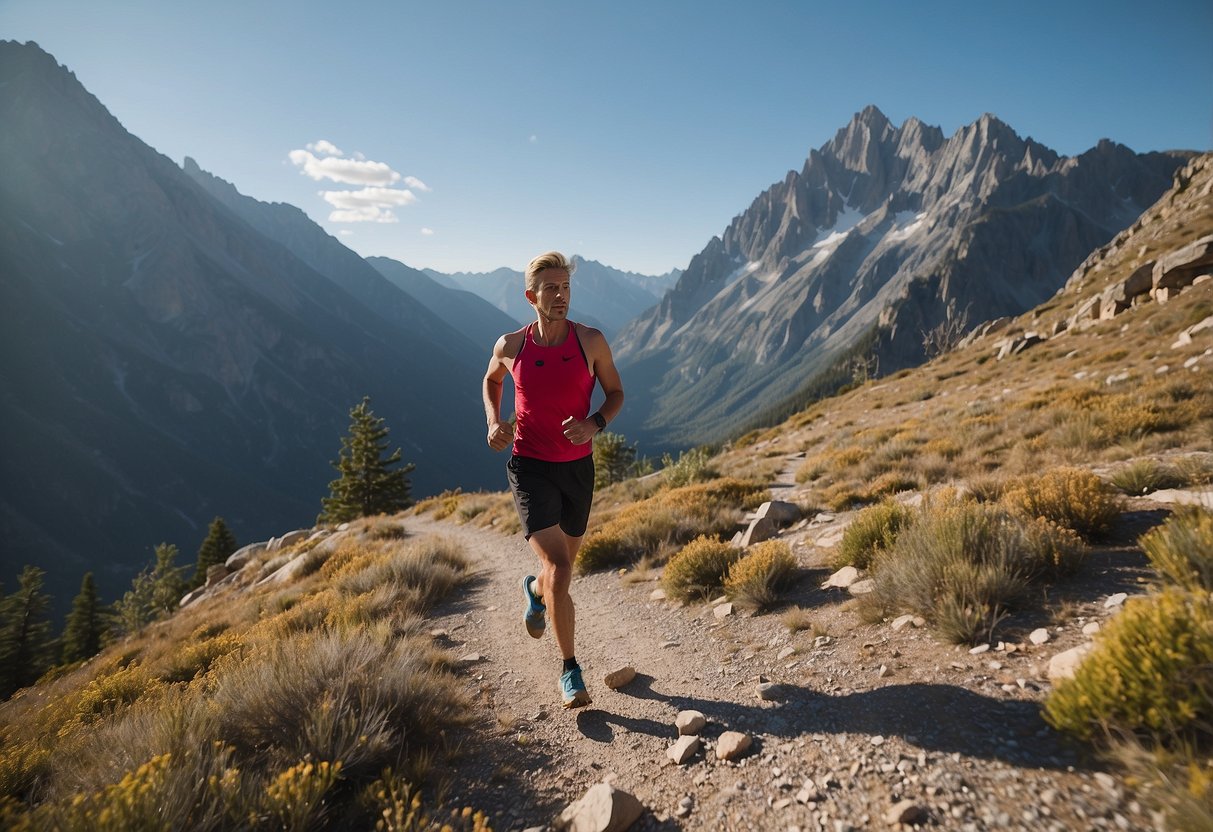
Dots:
{"x": 579, "y": 431}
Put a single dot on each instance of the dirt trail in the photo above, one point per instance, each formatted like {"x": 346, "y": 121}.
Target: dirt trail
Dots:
{"x": 867, "y": 717}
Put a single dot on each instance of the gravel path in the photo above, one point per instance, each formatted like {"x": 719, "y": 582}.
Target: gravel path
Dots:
{"x": 864, "y": 717}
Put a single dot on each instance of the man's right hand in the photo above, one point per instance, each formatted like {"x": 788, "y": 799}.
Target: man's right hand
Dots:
{"x": 501, "y": 435}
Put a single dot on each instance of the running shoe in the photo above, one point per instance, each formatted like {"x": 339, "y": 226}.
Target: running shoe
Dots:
{"x": 572, "y": 689}
{"x": 533, "y": 617}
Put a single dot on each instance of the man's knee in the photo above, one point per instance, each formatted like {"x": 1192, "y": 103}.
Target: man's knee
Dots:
{"x": 559, "y": 573}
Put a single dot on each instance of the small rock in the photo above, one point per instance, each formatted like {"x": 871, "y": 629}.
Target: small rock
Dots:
{"x": 657, "y": 594}
{"x": 604, "y": 808}
{"x": 732, "y": 744}
{"x": 782, "y": 803}
{"x": 723, "y": 611}
{"x": 684, "y": 749}
{"x": 1063, "y": 665}
{"x": 1115, "y": 600}
{"x": 903, "y": 620}
{"x": 667, "y": 644}
{"x": 1091, "y": 628}
{"x": 821, "y": 641}
{"x": 884, "y": 672}
{"x": 864, "y": 587}
{"x": 470, "y": 658}
{"x": 785, "y": 652}
{"x": 907, "y": 811}
{"x": 979, "y": 649}
{"x": 842, "y": 579}
{"x": 808, "y": 793}
{"x": 1039, "y": 636}
{"x": 618, "y": 678}
{"x": 769, "y": 691}
{"x": 877, "y": 740}
{"x": 690, "y": 722}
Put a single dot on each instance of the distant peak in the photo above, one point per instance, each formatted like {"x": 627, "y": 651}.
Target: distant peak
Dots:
{"x": 871, "y": 116}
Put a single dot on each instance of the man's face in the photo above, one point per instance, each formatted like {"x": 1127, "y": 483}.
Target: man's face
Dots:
{"x": 551, "y": 294}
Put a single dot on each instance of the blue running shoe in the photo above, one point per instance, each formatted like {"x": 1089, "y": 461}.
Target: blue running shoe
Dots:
{"x": 533, "y": 617}
{"x": 572, "y": 689}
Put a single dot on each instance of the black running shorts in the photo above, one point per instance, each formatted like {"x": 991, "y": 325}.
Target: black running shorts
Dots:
{"x": 552, "y": 493}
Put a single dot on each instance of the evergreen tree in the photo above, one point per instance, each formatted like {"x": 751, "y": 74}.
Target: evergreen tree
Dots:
{"x": 25, "y": 633}
{"x": 154, "y": 592}
{"x": 219, "y": 543}
{"x": 367, "y": 484}
{"x": 85, "y": 623}
{"x": 614, "y": 459}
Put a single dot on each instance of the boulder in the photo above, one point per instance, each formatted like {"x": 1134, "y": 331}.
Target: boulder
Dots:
{"x": 288, "y": 539}
{"x": 760, "y": 529}
{"x": 1178, "y": 269}
{"x": 192, "y": 596}
{"x": 604, "y": 808}
{"x": 287, "y": 571}
{"x": 240, "y": 558}
{"x": 780, "y": 512}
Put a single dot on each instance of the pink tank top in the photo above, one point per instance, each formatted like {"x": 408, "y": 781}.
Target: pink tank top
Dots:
{"x": 550, "y": 385}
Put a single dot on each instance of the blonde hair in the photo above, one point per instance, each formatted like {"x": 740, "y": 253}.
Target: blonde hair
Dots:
{"x": 548, "y": 260}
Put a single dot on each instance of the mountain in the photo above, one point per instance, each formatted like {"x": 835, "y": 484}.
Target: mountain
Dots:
{"x": 476, "y": 318}
{"x": 165, "y": 361}
{"x": 884, "y": 234}
{"x": 293, "y": 229}
{"x": 604, "y": 297}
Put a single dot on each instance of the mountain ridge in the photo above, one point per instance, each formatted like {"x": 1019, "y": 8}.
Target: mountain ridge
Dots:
{"x": 883, "y": 228}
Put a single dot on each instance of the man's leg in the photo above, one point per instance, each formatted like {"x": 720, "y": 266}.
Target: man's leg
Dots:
{"x": 556, "y": 551}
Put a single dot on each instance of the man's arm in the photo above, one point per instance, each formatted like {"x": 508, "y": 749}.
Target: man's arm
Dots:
{"x": 602, "y": 365}
{"x": 500, "y": 434}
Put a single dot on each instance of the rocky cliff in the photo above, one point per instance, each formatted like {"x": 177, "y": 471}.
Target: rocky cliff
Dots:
{"x": 882, "y": 235}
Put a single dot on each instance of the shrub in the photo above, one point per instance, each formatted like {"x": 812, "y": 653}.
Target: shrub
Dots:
{"x": 296, "y": 796}
{"x": 698, "y": 569}
{"x": 963, "y": 566}
{"x": 110, "y": 692}
{"x": 358, "y": 696}
{"x": 692, "y": 466}
{"x": 873, "y": 530}
{"x": 194, "y": 659}
{"x": 1181, "y": 549}
{"x": 668, "y": 519}
{"x": 754, "y": 581}
{"x": 1071, "y": 497}
{"x": 797, "y": 619}
{"x": 1145, "y": 475}
{"x": 433, "y": 566}
{"x": 397, "y": 807}
{"x": 1151, "y": 672}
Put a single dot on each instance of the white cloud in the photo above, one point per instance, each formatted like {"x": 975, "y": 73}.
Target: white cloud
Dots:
{"x": 345, "y": 171}
{"x": 345, "y": 232}
{"x": 427, "y": 232}
{"x": 324, "y": 148}
{"x": 534, "y": 139}
{"x": 374, "y": 201}
{"x": 368, "y": 204}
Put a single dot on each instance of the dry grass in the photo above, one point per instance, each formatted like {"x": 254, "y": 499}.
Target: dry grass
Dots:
{"x": 283, "y": 711}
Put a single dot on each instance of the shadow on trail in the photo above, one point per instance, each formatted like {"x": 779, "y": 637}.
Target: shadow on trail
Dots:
{"x": 934, "y": 717}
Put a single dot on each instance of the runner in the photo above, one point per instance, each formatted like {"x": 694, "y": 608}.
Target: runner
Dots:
{"x": 554, "y": 363}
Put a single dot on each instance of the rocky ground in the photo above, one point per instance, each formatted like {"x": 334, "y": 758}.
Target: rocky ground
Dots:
{"x": 853, "y": 726}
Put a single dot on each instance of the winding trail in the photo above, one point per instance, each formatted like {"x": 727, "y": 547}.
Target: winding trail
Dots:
{"x": 868, "y": 716}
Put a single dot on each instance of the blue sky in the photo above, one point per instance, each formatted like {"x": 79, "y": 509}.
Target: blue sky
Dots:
{"x": 627, "y": 132}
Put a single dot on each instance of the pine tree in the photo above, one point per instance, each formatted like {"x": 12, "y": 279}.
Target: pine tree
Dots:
{"x": 219, "y": 543}
{"x": 614, "y": 459}
{"x": 154, "y": 592}
{"x": 367, "y": 485}
{"x": 25, "y": 633}
{"x": 85, "y": 623}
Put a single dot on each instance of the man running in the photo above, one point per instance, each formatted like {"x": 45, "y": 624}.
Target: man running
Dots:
{"x": 554, "y": 363}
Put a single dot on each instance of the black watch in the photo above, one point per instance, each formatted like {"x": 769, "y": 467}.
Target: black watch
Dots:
{"x": 599, "y": 420}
